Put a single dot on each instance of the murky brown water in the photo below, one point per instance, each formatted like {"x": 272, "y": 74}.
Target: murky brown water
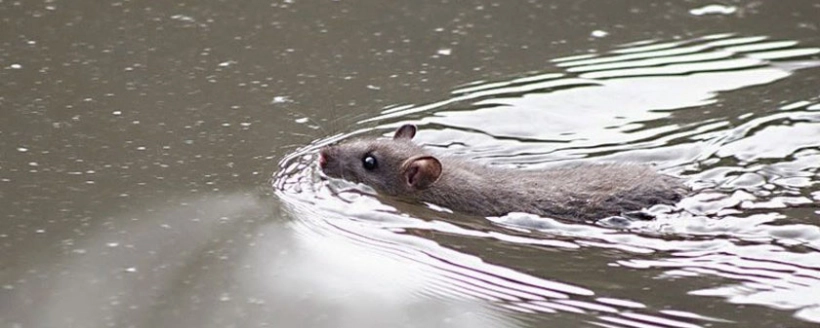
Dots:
{"x": 139, "y": 141}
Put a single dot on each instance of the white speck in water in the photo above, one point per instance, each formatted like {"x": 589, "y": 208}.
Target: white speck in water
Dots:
{"x": 599, "y": 34}
{"x": 227, "y": 63}
{"x": 8, "y": 287}
{"x": 280, "y": 100}
{"x": 445, "y": 51}
{"x": 165, "y": 226}
{"x": 31, "y": 42}
{"x": 226, "y": 124}
{"x": 15, "y": 66}
{"x": 182, "y": 18}
{"x": 713, "y": 10}
{"x": 22, "y": 149}
{"x": 117, "y": 113}
{"x": 373, "y": 87}
{"x": 245, "y": 124}
{"x": 33, "y": 164}
{"x": 131, "y": 269}
{"x": 225, "y": 297}
{"x": 79, "y": 251}
{"x": 40, "y": 231}
{"x": 301, "y": 120}
{"x": 89, "y": 181}
{"x": 112, "y": 244}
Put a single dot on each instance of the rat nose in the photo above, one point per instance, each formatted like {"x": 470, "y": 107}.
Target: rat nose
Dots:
{"x": 322, "y": 158}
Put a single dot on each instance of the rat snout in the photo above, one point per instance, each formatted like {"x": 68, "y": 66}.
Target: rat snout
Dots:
{"x": 324, "y": 157}
{"x": 331, "y": 162}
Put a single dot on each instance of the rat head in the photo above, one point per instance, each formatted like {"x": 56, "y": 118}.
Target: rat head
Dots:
{"x": 395, "y": 166}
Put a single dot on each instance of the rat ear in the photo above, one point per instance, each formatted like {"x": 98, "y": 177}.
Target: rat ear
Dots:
{"x": 421, "y": 172}
{"x": 407, "y": 131}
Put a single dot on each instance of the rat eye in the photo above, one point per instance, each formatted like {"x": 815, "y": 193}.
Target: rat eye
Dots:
{"x": 369, "y": 162}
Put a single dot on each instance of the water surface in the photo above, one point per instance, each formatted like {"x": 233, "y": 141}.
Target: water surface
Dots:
{"x": 139, "y": 140}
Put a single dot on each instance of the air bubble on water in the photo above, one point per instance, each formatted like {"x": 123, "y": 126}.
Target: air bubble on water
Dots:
{"x": 280, "y": 100}
{"x": 131, "y": 269}
{"x": 22, "y": 149}
{"x": 445, "y": 51}
{"x": 599, "y": 33}
{"x": 713, "y": 10}
{"x": 301, "y": 120}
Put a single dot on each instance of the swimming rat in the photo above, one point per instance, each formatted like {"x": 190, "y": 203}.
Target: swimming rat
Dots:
{"x": 400, "y": 168}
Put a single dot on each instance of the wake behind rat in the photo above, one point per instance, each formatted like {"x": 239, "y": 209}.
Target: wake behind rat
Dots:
{"x": 400, "y": 168}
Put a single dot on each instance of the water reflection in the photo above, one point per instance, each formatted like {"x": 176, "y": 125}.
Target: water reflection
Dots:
{"x": 744, "y": 236}
{"x": 233, "y": 264}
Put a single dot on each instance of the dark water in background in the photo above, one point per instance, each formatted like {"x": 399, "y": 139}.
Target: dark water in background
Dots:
{"x": 139, "y": 140}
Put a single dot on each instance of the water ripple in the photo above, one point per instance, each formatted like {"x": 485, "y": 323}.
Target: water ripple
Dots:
{"x": 749, "y": 227}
